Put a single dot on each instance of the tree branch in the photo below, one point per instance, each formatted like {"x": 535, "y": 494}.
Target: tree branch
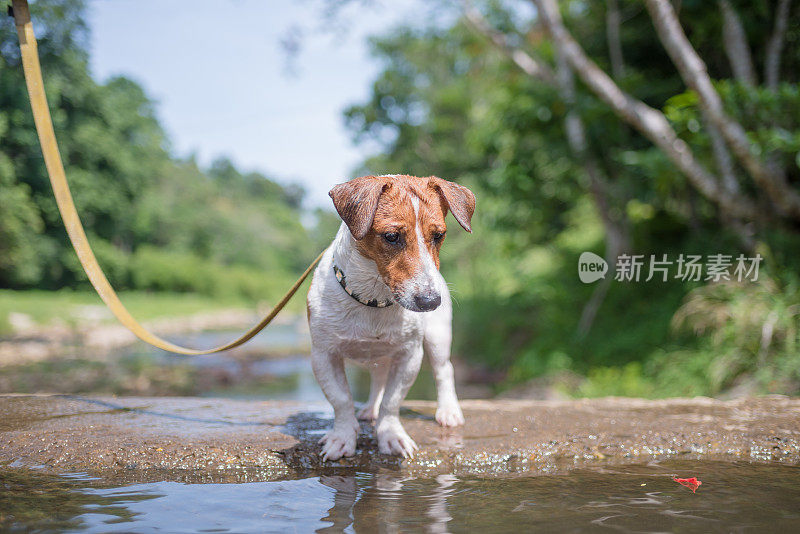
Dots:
{"x": 650, "y": 122}
{"x": 735, "y": 42}
{"x": 613, "y": 24}
{"x": 694, "y": 74}
{"x": 772, "y": 60}
{"x": 616, "y": 234}
{"x": 525, "y": 61}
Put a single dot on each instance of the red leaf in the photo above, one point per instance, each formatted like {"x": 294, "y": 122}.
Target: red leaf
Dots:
{"x": 691, "y": 483}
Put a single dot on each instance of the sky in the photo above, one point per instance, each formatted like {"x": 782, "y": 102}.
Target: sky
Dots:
{"x": 222, "y": 83}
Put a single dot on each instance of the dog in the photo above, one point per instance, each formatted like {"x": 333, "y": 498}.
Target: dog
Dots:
{"x": 377, "y": 298}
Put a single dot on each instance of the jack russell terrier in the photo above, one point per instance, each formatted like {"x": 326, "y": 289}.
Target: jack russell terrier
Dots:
{"x": 367, "y": 299}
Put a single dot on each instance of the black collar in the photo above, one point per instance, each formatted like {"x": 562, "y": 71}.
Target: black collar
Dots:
{"x": 374, "y": 303}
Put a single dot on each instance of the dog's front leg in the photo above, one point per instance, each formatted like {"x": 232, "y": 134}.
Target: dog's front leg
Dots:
{"x": 437, "y": 342}
{"x": 392, "y": 437}
{"x": 329, "y": 372}
{"x": 379, "y": 373}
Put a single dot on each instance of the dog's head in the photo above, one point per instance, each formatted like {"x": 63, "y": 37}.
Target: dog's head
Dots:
{"x": 399, "y": 222}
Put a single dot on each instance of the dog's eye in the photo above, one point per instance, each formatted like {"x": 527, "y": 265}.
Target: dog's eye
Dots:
{"x": 391, "y": 237}
{"x": 438, "y": 236}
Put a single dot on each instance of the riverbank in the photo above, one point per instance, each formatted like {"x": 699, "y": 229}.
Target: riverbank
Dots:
{"x": 189, "y": 438}
{"x": 41, "y": 325}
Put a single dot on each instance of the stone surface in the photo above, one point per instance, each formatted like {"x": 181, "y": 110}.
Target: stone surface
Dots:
{"x": 268, "y": 440}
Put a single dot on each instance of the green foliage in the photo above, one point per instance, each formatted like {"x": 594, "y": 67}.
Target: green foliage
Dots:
{"x": 748, "y": 336}
{"x": 622, "y": 381}
{"x": 753, "y": 328}
{"x": 20, "y": 224}
{"x": 771, "y": 118}
{"x": 447, "y": 102}
{"x": 161, "y": 270}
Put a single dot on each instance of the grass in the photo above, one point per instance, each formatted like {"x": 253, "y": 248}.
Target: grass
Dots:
{"x": 139, "y": 374}
{"x": 67, "y": 306}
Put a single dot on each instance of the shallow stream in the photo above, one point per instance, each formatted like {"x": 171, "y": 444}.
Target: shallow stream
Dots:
{"x": 733, "y": 497}
{"x": 284, "y": 375}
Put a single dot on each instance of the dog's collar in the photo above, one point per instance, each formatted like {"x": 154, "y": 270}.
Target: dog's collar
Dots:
{"x": 374, "y": 303}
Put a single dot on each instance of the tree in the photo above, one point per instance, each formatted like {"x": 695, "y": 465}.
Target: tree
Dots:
{"x": 542, "y": 131}
{"x": 135, "y": 198}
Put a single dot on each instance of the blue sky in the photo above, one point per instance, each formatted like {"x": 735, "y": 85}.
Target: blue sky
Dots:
{"x": 220, "y": 77}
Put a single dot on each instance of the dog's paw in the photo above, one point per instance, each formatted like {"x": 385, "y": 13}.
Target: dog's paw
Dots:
{"x": 338, "y": 443}
{"x": 449, "y": 415}
{"x": 368, "y": 413}
{"x": 395, "y": 440}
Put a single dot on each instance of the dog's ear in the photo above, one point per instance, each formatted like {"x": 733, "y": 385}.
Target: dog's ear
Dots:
{"x": 356, "y": 202}
{"x": 458, "y": 198}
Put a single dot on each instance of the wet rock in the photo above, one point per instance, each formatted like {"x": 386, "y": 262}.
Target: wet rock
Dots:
{"x": 277, "y": 439}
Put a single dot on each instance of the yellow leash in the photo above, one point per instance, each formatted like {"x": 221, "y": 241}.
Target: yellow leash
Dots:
{"x": 72, "y": 222}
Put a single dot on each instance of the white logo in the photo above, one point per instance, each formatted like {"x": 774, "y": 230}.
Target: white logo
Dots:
{"x": 717, "y": 268}
{"x": 591, "y": 267}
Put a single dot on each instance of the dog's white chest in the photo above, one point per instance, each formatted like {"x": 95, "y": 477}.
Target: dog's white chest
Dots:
{"x": 371, "y": 334}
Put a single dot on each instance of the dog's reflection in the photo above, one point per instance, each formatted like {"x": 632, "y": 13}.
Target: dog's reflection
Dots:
{"x": 388, "y": 502}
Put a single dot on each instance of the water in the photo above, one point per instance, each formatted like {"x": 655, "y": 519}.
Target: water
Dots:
{"x": 641, "y": 498}
{"x": 275, "y": 365}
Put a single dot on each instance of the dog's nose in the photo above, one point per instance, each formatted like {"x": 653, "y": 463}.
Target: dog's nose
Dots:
{"x": 428, "y": 302}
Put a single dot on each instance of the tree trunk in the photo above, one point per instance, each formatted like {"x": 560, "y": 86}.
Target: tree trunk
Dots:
{"x": 613, "y": 23}
{"x": 772, "y": 60}
{"x": 725, "y": 166}
{"x": 736, "y": 47}
{"x": 617, "y": 239}
{"x": 694, "y": 74}
{"x": 648, "y": 121}
{"x": 721, "y": 154}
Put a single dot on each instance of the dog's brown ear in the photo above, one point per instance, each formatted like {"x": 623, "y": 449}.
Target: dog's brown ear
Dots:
{"x": 458, "y": 198}
{"x": 356, "y": 202}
